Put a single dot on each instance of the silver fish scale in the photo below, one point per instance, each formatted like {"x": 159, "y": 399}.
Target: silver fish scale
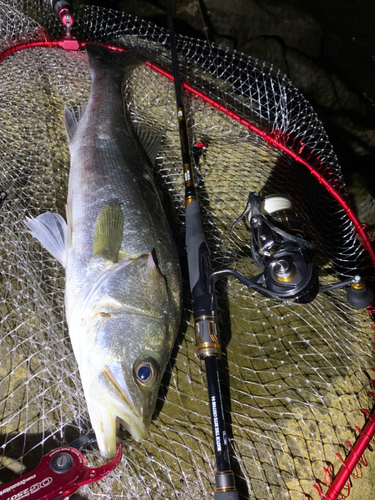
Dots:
{"x": 109, "y": 163}
{"x": 113, "y": 327}
{"x": 116, "y": 167}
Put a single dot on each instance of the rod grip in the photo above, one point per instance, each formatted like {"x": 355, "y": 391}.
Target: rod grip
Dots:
{"x": 225, "y": 486}
{"x": 194, "y": 239}
{"x": 226, "y": 495}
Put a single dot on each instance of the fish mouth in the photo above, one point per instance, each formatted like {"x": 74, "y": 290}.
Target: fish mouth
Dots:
{"x": 126, "y": 411}
{"x": 109, "y": 391}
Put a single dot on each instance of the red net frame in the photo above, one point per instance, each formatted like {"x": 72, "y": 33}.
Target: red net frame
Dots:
{"x": 296, "y": 146}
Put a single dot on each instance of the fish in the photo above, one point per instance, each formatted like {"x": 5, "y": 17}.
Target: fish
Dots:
{"x": 294, "y": 393}
{"x": 122, "y": 273}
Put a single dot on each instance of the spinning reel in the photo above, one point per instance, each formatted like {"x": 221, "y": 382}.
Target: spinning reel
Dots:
{"x": 279, "y": 247}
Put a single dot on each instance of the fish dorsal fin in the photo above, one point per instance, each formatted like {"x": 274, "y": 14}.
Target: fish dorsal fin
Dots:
{"x": 109, "y": 231}
{"x": 150, "y": 141}
{"x": 51, "y": 231}
{"x": 71, "y": 122}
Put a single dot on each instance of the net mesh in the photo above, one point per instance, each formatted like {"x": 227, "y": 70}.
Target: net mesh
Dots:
{"x": 294, "y": 377}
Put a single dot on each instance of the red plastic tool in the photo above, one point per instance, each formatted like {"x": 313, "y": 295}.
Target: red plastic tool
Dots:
{"x": 61, "y": 472}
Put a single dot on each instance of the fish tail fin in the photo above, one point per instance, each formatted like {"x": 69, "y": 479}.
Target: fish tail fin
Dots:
{"x": 117, "y": 64}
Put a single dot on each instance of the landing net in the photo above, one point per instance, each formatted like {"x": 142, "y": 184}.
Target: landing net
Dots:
{"x": 295, "y": 377}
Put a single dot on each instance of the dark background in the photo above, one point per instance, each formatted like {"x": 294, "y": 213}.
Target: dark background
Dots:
{"x": 326, "y": 47}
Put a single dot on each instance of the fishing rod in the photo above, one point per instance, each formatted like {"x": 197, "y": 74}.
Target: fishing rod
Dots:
{"x": 205, "y": 318}
{"x": 278, "y": 246}
{"x": 277, "y": 242}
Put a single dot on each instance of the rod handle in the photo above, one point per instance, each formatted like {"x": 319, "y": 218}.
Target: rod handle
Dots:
{"x": 226, "y": 495}
{"x": 194, "y": 239}
{"x": 225, "y": 486}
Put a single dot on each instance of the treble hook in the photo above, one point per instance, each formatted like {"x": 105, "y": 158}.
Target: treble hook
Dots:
{"x": 3, "y": 197}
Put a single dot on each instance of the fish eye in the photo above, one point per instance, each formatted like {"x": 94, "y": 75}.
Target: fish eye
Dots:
{"x": 145, "y": 372}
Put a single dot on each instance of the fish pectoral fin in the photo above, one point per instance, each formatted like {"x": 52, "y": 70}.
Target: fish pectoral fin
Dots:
{"x": 51, "y": 231}
{"x": 150, "y": 141}
{"x": 109, "y": 231}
